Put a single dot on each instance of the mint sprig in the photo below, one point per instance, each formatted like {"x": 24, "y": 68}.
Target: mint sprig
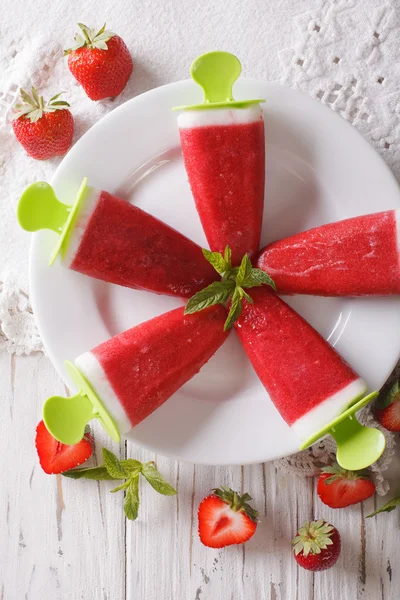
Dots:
{"x": 388, "y": 507}
{"x": 234, "y": 281}
{"x": 128, "y": 471}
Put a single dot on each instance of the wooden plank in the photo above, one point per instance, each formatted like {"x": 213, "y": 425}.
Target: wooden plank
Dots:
{"x": 65, "y": 538}
{"x": 68, "y": 538}
{"x": 158, "y": 543}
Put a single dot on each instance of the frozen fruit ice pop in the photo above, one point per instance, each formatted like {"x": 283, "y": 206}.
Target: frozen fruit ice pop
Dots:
{"x": 354, "y": 257}
{"x": 224, "y": 156}
{"x": 307, "y": 380}
{"x": 135, "y": 372}
{"x": 110, "y": 239}
{"x": 118, "y": 242}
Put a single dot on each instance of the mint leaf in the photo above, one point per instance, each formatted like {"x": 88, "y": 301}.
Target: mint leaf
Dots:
{"x": 388, "y": 507}
{"x": 246, "y": 295}
{"x": 244, "y": 271}
{"x": 235, "y": 309}
{"x": 216, "y": 260}
{"x": 157, "y": 481}
{"x": 131, "y": 504}
{"x": 113, "y": 465}
{"x": 215, "y": 293}
{"x": 131, "y": 465}
{"x": 228, "y": 258}
{"x": 256, "y": 277}
{"x": 97, "y": 473}
{"x": 123, "y": 486}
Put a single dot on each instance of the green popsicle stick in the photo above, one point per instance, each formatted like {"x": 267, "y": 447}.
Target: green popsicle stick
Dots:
{"x": 357, "y": 446}
{"x": 216, "y": 72}
{"x": 38, "y": 208}
{"x": 66, "y": 418}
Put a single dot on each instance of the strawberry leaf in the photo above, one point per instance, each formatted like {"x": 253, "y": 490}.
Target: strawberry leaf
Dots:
{"x": 102, "y": 30}
{"x": 157, "y": 481}
{"x": 216, "y": 293}
{"x": 35, "y": 96}
{"x": 113, "y": 465}
{"x": 62, "y": 103}
{"x": 391, "y": 396}
{"x": 26, "y": 98}
{"x": 132, "y": 500}
{"x": 388, "y": 507}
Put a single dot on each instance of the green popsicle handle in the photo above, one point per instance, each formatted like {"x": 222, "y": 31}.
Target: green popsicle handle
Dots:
{"x": 38, "y": 208}
{"x": 357, "y": 446}
{"x": 66, "y": 418}
{"x": 216, "y": 72}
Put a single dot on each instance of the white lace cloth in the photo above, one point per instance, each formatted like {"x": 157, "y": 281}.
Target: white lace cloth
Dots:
{"x": 342, "y": 52}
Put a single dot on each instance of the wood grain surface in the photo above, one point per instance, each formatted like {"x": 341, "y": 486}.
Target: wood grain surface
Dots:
{"x": 68, "y": 539}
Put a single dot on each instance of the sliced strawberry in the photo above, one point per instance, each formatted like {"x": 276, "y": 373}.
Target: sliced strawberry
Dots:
{"x": 388, "y": 409}
{"x": 338, "y": 488}
{"x": 225, "y": 518}
{"x": 56, "y": 457}
{"x": 317, "y": 546}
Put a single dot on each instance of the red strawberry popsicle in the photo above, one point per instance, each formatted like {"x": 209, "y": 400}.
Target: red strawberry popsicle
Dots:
{"x": 354, "y": 257}
{"x": 223, "y": 149}
{"x": 135, "y": 372}
{"x": 308, "y": 382}
{"x": 113, "y": 240}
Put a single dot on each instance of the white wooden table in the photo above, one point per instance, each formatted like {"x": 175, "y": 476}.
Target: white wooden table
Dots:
{"x": 67, "y": 539}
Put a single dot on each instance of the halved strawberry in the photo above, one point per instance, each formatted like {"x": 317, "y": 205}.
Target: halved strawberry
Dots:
{"x": 338, "y": 488}
{"x": 55, "y": 457}
{"x": 317, "y": 546}
{"x": 388, "y": 409}
{"x": 225, "y": 518}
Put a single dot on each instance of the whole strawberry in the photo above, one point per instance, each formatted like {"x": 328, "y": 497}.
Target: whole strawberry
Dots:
{"x": 100, "y": 61}
{"x": 317, "y": 546}
{"x": 338, "y": 488}
{"x": 225, "y": 518}
{"x": 44, "y": 129}
{"x": 388, "y": 409}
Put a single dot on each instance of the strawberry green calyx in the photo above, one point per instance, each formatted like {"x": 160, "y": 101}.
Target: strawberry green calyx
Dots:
{"x": 34, "y": 106}
{"x": 313, "y": 537}
{"x": 337, "y": 472}
{"x": 393, "y": 395}
{"x": 232, "y": 286}
{"x": 235, "y": 502}
{"x": 91, "y": 38}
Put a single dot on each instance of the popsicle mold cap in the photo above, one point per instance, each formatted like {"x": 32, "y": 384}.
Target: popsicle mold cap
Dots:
{"x": 38, "y": 208}
{"x": 66, "y": 418}
{"x": 357, "y": 446}
{"x": 216, "y": 72}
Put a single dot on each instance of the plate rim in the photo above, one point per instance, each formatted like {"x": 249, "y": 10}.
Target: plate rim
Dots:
{"x": 35, "y": 241}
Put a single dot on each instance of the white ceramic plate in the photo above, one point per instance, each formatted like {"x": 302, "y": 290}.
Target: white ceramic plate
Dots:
{"x": 319, "y": 169}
